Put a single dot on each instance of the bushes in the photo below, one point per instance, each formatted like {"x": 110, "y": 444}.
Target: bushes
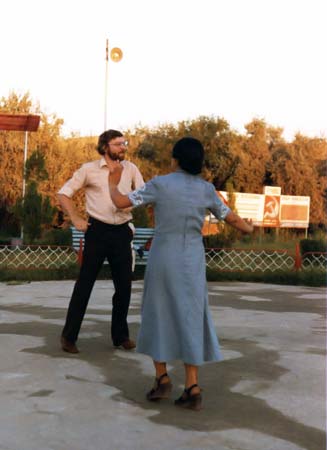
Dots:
{"x": 313, "y": 245}
{"x": 5, "y": 241}
{"x": 141, "y": 217}
{"x": 301, "y": 278}
{"x": 217, "y": 241}
{"x": 64, "y": 273}
{"x": 56, "y": 236}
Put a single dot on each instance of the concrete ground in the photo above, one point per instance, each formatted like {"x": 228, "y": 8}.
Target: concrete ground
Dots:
{"x": 267, "y": 394}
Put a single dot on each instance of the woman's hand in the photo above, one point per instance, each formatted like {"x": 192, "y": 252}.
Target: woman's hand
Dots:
{"x": 250, "y": 225}
{"x": 115, "y": 172}
{"x": 120, "y": 201}
{"x": 244, "y": 225}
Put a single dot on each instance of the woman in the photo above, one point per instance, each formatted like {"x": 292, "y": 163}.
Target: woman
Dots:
{"x": 176, "y": 321}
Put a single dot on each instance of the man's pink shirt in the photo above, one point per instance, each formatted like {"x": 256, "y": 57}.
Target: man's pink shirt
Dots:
{"x": 93, "y": 177}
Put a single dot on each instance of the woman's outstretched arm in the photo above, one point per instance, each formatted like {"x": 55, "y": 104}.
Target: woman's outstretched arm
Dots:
{"x": 237, "y": 222}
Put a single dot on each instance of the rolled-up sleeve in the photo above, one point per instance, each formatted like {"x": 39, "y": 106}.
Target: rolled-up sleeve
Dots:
{"x": 76, "y": 182}
{"x": 216, "y": 206}
{"x": 144, "y": 195}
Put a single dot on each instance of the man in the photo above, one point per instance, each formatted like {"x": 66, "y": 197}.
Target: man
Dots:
{"x": 108, "y": 234}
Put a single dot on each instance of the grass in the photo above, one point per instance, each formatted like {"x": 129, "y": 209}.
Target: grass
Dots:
{"x": 287, "y": 277}
{"x": 316, "y": 278}
{"x": 266, "y": 245}
{"x": 62, "y": 273}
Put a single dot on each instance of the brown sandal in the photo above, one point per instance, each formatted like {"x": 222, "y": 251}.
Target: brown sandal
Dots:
{"x": 186, "y": 400}
{"x": 161, "y": 390}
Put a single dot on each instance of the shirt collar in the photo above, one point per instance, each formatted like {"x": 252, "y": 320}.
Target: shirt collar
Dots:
{"x": 103, "y": 162}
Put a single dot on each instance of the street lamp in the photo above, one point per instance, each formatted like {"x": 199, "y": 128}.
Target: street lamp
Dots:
{"x": 116, "y": 55}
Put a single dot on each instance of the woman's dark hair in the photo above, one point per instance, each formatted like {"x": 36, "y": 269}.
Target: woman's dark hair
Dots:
{"x": 106, "y": 137}
{"x": 189, "y": 153}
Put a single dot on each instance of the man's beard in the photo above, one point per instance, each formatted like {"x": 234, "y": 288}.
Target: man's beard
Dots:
{"x": 116, "y": 156}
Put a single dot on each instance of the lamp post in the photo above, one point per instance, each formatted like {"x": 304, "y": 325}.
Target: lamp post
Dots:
{"x": 116, "y": 55}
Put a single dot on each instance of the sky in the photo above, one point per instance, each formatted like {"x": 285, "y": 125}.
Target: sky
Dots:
{"x": 234, "y": 59}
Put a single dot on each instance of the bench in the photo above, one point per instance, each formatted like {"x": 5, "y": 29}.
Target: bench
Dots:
{"x": 140, "y": 244}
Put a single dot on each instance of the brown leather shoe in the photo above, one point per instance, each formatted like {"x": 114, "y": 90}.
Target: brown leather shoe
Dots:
{"x": 127, "y": 345}
{"x": 67, "y": 346}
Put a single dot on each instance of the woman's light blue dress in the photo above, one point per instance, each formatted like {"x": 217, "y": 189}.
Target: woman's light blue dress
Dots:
{"x": 176, "y": 321}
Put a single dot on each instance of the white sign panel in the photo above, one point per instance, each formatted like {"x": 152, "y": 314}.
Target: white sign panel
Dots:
{"x": 270, "y": 209}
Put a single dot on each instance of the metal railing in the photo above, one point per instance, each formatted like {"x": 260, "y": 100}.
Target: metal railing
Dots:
{"x": 224, "y": 259}
{"x": 36, "y": 256}
{"x": 229, "y": 259}
{"x": 314, "y": 260}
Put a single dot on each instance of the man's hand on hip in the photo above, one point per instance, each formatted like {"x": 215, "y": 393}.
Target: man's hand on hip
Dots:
{"x": 80, "y": 224}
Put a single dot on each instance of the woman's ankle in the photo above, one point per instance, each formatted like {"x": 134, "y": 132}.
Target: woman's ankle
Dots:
{"x": 163, "y": 377}
{"x": 193, "y": 389}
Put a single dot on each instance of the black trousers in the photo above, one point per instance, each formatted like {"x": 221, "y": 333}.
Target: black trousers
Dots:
{"x": 114, "y": 243}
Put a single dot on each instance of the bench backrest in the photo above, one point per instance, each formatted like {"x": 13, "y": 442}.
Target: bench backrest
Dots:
{"x": 140, "y": 244}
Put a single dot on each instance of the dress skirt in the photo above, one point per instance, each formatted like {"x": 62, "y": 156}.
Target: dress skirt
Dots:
{"x": 176, "y": 321}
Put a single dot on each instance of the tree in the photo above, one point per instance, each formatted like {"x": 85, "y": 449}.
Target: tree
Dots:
{"x": 151, "y": 149}
{"x": 220, "y": 145}
{"x": 34, "y": 211}
{"x": 260, "y": 157}
{"x": 254, "y": 155}
{"x": 12, "y": 153}
{"x": 299, "y": 168}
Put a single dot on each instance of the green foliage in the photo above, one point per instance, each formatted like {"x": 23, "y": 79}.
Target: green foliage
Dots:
{"x": 265, "y": 242}
{"x": 32, "y": 213}
{"x": 5, "y": 240}
{"x": 35, "y": 167}
{"x": 220, "y": 144}
{"x": 301, "y": 278}
{"x": 48, "y": 211}
{"x": 219, "y": 240}
{"x": 9, "y": 224}
{"x": 56, "y": 236}
{"x": 313, "y": 245}
{"x": 141, "y": 217}
{"x": 45, "y": 140}
{"x": 139, "y": 272}
{"x": 64, "y": 273}
{"x": 259, "y": 157}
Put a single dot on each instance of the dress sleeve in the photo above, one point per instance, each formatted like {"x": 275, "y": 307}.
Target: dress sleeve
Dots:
{"x": 216, "y": 206}
{"x": 144, "y": 195}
